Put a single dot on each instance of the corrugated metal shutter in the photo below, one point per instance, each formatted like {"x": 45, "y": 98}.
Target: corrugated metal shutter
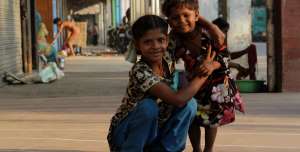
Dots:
{"x": 10, "y": 37}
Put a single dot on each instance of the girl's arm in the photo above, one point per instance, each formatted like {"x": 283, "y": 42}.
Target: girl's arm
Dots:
{"x": 61, "y": 27}
{"x": 213, "y": 30}
{"x": 181, "y": 97}
{"x": 56, "y": 36}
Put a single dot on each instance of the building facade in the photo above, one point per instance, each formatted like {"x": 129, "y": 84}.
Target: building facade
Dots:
{"x": 288, "y": 44}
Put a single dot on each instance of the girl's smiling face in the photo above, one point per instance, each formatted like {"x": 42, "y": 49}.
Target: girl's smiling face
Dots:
{"x": 152, "y": 45}
{"x": 183, "y": 19}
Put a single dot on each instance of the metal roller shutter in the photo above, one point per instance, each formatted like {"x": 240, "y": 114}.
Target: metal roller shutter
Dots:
{"x": 10, "y": 37}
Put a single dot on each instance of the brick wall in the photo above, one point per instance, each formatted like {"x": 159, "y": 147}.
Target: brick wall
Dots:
{"x": 290, "y": 45}
{"x": 10, "y": 37}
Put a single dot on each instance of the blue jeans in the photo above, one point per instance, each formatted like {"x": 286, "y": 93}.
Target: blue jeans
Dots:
{"x": 140, "y": 129}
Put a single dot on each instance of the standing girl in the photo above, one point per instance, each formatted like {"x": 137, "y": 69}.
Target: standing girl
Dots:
{"x": 192, "y": 45}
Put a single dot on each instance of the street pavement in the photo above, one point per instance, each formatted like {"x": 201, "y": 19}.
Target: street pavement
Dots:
{"x": 72, "y": 114}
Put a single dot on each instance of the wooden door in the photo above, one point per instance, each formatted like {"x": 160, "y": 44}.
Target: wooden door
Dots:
{"x": 45, "y": 8}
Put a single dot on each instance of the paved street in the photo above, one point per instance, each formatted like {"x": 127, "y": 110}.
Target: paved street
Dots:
{"x": 72, "y": 114}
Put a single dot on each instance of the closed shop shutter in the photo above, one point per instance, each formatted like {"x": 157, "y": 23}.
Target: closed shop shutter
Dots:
{"x": 10, "y": 37}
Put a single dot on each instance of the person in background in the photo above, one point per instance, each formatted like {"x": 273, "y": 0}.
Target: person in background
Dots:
{"x": 69, "y": 26}
{"x": 44, "y": 49}
{"x": 95, "y": 34}
{"x": 250, "y": 50}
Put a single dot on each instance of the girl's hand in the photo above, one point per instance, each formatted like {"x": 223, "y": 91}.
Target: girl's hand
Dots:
{"x": 207, "y": 66}
{"x": 55, "y": 37}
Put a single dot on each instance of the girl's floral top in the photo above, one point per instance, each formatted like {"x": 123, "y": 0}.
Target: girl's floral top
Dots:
{"x": 141, "y": 79}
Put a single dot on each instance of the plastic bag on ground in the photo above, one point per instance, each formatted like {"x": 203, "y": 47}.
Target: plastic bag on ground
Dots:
{"x": 50, "y": 73}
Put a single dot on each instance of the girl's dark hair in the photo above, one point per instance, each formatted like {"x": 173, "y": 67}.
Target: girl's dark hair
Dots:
{"x": 56, "y": 20}
{"x": 146, "y": 23}
{"x": 169, "y": 4}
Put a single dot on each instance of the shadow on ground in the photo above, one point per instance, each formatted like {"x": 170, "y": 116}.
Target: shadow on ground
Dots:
{"x": 74, "y": 84}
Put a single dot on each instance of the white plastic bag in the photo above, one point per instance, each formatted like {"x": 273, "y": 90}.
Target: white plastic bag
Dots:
{"x": 50, "y": 73}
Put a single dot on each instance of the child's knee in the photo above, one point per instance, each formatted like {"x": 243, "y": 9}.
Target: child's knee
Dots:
{"x": 148, "y": 108}
{"x": 189, "y": 110}
{"x": 191, "y": 107}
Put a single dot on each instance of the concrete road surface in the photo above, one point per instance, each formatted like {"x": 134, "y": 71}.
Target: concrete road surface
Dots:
{"x": 72, "y": 114}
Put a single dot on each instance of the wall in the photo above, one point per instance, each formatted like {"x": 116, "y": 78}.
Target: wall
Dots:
{"x": 209, "y": 9}
{"x": 290, "y": 41}
{"x": 239, "y": 34}
{"x": 137, "y": 9}
{"x": 142, "y": 7}
{"x": 125, "y": 4}
{"x": 10, "y": 37}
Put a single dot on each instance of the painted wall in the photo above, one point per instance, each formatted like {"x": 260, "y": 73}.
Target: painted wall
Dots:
{"x": 118, "y": 12}
{"x": 239, "y": 34}
{"x": 138, "y": 9}
{"x": 209, "y": 9}
{"x": 125, "y": 4}
{"x": 142, "y": 7}
{"x": 113, "y": 13}
{"x": 239, "y": 18}
{"x": 259, "y": 25}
